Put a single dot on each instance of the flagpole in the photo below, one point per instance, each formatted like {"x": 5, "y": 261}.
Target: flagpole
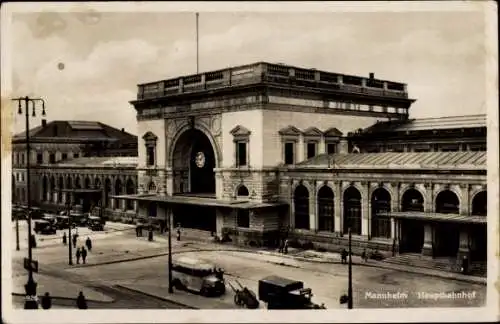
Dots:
{"x": 197, "y": 46}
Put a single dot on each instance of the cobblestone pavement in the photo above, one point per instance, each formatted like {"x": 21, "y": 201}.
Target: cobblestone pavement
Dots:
{"x": 327, "y": 280}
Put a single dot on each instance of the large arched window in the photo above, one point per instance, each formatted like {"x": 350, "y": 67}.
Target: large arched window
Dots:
{"x": 60, "y": 184}
{"x": 87, "y": 183}
{"x": 45, "y": 187}
{"x": 301, "y": 206}
{"x": 412, "y": 200}
{"x": 447, "y": 202}
{"x": 325, "y": 209}
{"x": 118, "y": 191}
{"x": 78, "y": 184}
{"x": 352, "y": 211}
{"x": 479, "y": 204}
{"x": 107, "y": 193}
{"x": 381, "y": 204}
{"x": 243, "y": 191}
{"x": 130, "y": 187}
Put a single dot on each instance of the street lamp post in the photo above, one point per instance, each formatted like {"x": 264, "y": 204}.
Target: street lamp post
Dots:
{"x": 70, "y": 253}
{"x": 30, "y": 287}
{"x": 170, "y": 289}
{"x": 349, "y": 287}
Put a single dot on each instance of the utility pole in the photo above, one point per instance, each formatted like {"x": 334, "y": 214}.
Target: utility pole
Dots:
{"x": 30, "y": 287}
{"x": 349, "y": 288}
{"x": 197, "y": 46}
{"x": 70, "y": 242}
{"x": 170, "y": 288}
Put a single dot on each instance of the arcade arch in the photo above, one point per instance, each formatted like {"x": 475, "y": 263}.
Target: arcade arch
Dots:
{"x": 130, "y": 190}
{"x": 325, "y": 209}
{"x": 301, "y": 207}
{"x": 447, "y": 202}
{"x": 412, "y": 231}
{"x": 380, "y": 204}
{"x": 447, "y": 235}
{"x": 479, "y": 204}
{"x": 242, "y": 191}
{"x": 352, "y": 210}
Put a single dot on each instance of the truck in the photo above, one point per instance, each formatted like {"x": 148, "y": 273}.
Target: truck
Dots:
{"x": 283, "y": 293}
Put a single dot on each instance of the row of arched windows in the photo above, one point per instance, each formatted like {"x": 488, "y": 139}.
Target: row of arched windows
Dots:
{"x": 49, "y": 186}
{"x": 412, "y": 200}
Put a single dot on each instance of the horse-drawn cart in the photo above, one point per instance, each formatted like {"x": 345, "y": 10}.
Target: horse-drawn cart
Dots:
{"x": 244, "y": 297}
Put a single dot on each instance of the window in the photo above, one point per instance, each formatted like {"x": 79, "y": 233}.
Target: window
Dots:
{"x": 325, "y": 209}
{"x": 150, "y": 142}
{"x": 39, "y": 158}
{"x": 22, "y": 158}
{"x": 22, "y": 177}
{"x": 311, "y": 149}
{"x": 52, "y": 158}
{"x": 241, "y": 153}
{"x": 64, "y": 156}
{"x": 150, "y": 155}
{"x": 243, "y": 218}
{"x": 331, "y": 148}
{"x": 289, "y": 153}
{"x": 241, "y": 138}
{"x": 76, "y": 156}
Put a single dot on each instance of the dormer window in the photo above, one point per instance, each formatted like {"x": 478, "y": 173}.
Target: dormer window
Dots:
{"x": 332, "y": 138}
{"x": 150, "y": 143}
{"x": 241, "y": 139}
{"x": 289, "y": 137}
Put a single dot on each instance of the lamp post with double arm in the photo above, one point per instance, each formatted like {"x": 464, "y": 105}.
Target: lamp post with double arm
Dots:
{"x": 30, "y": 287}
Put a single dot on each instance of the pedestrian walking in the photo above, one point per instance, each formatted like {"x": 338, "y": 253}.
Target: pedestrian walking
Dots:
{"x": 65, "y": 239}
{"x": 88, "y": 243}
{"x": 81, "y": 302}
{"x": 344, "y": 256}
{"x": 285, "y": 246}
{"x": 78, "y": 254}
{"x": 282, "y": 245}
{"x": 178, "y": 233}
{"x": 84, "y": 254}
{"x": 75, "y": 237}
{"x": 46, "y": 301}
{"x": 364, "y": 255}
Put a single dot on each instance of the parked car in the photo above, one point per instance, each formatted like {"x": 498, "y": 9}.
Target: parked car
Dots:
{"x": 95, "y": 223}
{"x": 44, "y": 227}
{"x": 78, "y": 219}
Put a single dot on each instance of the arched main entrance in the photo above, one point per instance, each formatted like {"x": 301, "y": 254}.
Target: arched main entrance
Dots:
{"x": 381, "y": 204}
{"x": 325, "y": 209}
{"x": 301, "y": 207}
{"x": 193, "y": 162}
{"x": 412, "y": 231}
{"x": 447, "y": 234}
{"x": 352, "y": 211}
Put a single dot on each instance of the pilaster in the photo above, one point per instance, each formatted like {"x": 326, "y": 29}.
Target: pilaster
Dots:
{"x": 338, "y": 208}
{"x": 365, "y": 209}
{"x": 169, "y": 181}
{"x": 313, "y": 204}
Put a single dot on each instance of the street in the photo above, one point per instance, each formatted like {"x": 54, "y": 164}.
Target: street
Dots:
{"x": 373, "y": 287}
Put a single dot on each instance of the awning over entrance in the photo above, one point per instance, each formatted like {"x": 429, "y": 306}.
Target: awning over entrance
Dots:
{"x": 200, "y": 201}
{"x": 455, "y": 218}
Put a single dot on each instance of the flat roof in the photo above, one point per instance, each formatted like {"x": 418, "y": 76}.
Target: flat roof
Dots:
{"x": 470, "y": 160}
{"x": 200, "y": 201}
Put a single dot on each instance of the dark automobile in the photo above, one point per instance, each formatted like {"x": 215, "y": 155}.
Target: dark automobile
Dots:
{"x": 18, "y": 213}
{"x": 78, "y": 219}
{"x": 283, "y": 293}
{"x": 63, "y": 222}
{"x": 95, "y": 223}
{"x": 44, "y": 227}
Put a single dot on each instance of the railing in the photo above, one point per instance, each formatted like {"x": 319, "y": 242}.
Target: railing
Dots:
{"x": 272, "y": 73}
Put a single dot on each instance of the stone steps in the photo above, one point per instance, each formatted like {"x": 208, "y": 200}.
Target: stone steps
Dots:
{"x": 442, "y": 264}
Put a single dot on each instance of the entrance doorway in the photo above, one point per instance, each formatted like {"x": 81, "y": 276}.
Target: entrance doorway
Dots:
{"x": 479, "y": 242}
{"x": 193, "y": 163}
{"x": 195, "y": 217}
{"x": 412, "y": 236}
{"x": 447, "y": 240}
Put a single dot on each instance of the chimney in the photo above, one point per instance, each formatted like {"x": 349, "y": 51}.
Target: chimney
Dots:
{"x": 372, "y": 75}
{"x": 44, "y": 122}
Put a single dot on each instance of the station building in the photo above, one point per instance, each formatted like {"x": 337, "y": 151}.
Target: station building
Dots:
{"x": 264, "y": 150}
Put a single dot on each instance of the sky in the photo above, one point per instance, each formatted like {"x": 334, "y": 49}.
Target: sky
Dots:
{"x": 439, "y": 54}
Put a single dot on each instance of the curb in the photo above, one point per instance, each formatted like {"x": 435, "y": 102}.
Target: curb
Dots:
{"x": 481, "y": 281}
{"x": 69, "y": 298}
{"x": 156, "y": 296}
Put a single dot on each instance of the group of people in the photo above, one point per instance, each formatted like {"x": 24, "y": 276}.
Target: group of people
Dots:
{"x": 163, "y": 228}
{"x": 344, "y": 254}
{"x": 283, "y": 246}
{"x": 81, "y": 252}
{"x": 81, "y": 301}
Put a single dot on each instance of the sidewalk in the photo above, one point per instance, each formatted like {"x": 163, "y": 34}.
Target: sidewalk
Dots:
{"x": 58, "y": 288}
